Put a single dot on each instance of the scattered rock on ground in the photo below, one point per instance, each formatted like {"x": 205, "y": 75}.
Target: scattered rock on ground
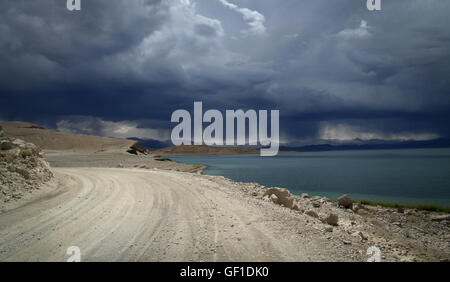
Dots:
{"x": 441, "y": 217}
{"x": 312, "y": 213}
{"x": 137, "y": 148}
{"x": 284, "y": 196}
{"x": 345, "y": 201}
{"x": 332, "y": 219}
{"x": 274, "y": 198}
{"x": 356, "y": 207}
{"x": 360, "y": 235}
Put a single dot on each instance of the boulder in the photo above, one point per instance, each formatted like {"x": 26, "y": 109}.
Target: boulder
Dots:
{"x": 360, "y": 235}
{"x": 316, "y": 204}
{"x": 288, "y": 202}
{"x": 304, "y": 196}
{"x": 363, "y": 212}
{"x": 332, "y": 219}
{"x": 12, "y": 153}
{"x": 274, "y": 198}
{"x": 20, "y": 143}
{"x": 283, "y": 195}
{"x": 312, "y": 213}
{"x": 279, "y": 192}
{"x": 316, "y": 198}
{"x": 356, "y": 207}
{"x": 345, "y": 201}
{"x": 6, "y": 145}
{"x": 324, "y": 200}
{"x": 137, "y": 148}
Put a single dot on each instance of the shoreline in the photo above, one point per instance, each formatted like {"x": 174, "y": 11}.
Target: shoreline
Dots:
{"x": 377, "y": 203}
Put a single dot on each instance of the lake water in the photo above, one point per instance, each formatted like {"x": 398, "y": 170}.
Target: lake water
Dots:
{"x": 404, "y": 176}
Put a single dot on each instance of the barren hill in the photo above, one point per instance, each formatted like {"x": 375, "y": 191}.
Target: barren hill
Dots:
{"x": 205, "y": 150}
{"x": 48, "y": 139}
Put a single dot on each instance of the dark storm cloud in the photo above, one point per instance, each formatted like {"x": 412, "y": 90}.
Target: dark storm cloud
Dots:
{"x": 333, "y": 68}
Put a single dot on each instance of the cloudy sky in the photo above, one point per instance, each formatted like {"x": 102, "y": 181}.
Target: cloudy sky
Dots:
{"x": 334, "y": 69}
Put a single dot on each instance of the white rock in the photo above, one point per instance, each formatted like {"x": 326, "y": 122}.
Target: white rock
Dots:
{"x": 304, "y": 196}
{"x": 274, "y": 198}
{"x": 284, "y": 196}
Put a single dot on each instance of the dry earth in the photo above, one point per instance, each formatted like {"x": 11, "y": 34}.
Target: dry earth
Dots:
{"x": 154, "y": 215}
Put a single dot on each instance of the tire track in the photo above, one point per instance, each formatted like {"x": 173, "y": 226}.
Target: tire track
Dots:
{"x": 137, "y": 215}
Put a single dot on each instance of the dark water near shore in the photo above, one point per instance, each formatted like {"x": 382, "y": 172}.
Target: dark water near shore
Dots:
{"x": 403, "y": 176}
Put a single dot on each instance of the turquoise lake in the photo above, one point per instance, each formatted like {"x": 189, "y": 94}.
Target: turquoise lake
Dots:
{"x": 404, "y": 176}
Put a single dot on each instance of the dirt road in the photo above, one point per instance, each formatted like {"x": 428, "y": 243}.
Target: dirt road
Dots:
{"x": 143, "y": 215}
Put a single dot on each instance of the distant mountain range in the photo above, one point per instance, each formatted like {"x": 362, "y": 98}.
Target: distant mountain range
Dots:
{"x": 333, "y": 145}
{"x": 376, "y": 144}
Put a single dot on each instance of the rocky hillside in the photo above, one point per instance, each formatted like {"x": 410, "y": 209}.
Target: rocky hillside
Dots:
{"x": 22, "y": 168}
